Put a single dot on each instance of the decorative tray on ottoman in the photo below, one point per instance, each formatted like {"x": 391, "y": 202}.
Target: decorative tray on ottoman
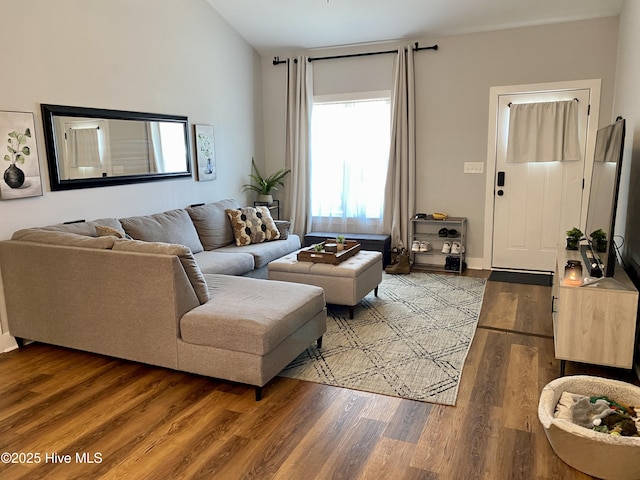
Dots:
{"x": 351, "y": 247}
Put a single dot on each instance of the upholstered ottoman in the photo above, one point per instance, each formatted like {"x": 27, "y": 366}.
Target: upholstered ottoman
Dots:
{"x": 344, "y": 284}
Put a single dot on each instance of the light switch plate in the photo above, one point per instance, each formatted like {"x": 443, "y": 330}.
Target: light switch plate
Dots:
{"x": 473, "y": 167}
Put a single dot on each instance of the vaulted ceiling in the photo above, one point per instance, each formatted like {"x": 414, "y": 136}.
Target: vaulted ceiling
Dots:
{"x": 272, "y": 25}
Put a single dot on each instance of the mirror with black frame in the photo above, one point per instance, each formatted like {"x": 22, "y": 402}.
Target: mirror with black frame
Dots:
{"x": 91, "y": 147}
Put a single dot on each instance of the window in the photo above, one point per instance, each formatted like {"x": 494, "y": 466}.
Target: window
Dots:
{"x": 349, "y": 157}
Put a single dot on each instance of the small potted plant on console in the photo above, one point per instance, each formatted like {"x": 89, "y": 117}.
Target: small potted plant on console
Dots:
{"x": 599, "y": 240}
{"x": 340, "y": 241}
{"x": 573, "y": 238}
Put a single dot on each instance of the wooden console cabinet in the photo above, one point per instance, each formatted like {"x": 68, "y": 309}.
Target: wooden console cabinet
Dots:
{"x": 595, "y": 323}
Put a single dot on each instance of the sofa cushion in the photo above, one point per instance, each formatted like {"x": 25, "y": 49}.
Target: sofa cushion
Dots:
{"x": 243, "y": 316}
{"x": 228, "y": 263}
{"x": 173, "y": 226}
{"x": 182, "y": 252}
{"x": 212, "y": 224}
{"x": 266, "y": 252}
{"x": 252, "y": 225}
{"x": 52, "y": 237}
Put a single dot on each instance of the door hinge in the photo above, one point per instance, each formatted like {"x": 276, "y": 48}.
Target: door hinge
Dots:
{"x": 589, "y": 110}
{"x": 583, "y": 183}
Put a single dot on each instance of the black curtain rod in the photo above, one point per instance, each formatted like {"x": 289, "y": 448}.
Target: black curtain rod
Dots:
{"x": 416, "y": 48}
{"x": 509, "y": 104}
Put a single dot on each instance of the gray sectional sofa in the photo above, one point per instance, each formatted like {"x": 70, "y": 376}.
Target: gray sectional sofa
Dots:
{"x": 169, "y": 289}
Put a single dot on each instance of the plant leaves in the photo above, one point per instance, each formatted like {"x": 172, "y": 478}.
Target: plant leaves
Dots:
{"x": 19, "y": 158}
{"x": 22, "y": 139}
{"x": 7, "y": 158}
{"x": 13, "y": 134}
{"x": 11, "y": 150}
{"x": 27, "y": 132}
{"x": 26, "y": 150}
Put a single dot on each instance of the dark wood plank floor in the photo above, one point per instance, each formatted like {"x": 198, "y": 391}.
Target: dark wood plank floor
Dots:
{"x": 136, "y": 421}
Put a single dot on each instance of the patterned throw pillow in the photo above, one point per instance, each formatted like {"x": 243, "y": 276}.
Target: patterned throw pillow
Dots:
{"x": 103, "y": 231}
{"x": 252, "y": 225}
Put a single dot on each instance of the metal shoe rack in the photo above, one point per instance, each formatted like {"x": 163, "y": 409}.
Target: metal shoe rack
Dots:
{"x": 426, "y": 230}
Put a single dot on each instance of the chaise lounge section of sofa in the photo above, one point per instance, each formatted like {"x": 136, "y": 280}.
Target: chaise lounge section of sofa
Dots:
{"x": 138, "y": 292}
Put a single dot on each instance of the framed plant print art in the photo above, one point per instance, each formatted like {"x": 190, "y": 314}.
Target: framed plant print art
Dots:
{"x": 205, "y": 153}
{"x": 20, "y": 165}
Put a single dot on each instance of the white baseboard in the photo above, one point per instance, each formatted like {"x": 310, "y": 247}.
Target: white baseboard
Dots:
{"x": 7, "y": 343}
{"x": 474, "y": 263}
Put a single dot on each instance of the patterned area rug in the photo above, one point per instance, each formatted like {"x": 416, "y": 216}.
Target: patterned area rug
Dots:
{"x": 411, "y": 341}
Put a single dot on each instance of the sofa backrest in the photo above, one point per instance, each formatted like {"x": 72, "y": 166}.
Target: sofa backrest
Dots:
{"x": 62, "y": 238}
{"x": 87, "y": 229}
{"x": 53, "y": 237}
{"x": 187, "y": 260}
{"x": 212, "y": 223}
{"x": 173, "y": 226}
{"x": 123, "y": 304}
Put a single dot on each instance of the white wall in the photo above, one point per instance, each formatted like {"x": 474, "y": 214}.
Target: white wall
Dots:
{"x": 627, "y": 104}
{"x": 174, "y": 57}
{"x": 452, "y": 88}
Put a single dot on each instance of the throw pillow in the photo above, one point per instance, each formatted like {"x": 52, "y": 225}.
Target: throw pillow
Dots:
{"x": 283, "y": 227}
{"x": 252, "y": 225}
{"x": 102, "y": 231}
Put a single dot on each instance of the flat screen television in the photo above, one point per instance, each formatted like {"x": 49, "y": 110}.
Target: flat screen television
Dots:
{"x": 600, "y": 253}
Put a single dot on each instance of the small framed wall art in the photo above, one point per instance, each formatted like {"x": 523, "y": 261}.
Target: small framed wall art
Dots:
{"x": 205, "y": 153}
{"x": 21, "y": 165}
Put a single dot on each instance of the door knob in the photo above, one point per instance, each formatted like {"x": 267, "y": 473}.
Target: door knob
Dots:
{"x": 501, "y": 179}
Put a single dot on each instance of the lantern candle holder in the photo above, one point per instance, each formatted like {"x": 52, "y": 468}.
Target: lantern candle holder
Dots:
{"x": 573, "y": 273}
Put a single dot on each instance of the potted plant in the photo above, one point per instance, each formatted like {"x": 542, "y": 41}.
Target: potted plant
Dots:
{"x": 599, "y": 240}
{"x": 264, "y": 186}
{"x": 573, "y": 238}
{"x": 18, "y": 150}
{"x": 340, "y": 241}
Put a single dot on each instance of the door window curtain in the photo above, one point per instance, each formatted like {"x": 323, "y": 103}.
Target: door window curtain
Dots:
{"x": 543, "y": 132}
{"x": 297, "y": 126}
{"x": 400, "y": 189}
{"x": 84, "y": 147}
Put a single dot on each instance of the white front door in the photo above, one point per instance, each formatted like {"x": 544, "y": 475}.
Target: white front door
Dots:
{"x": 535, "y": 203}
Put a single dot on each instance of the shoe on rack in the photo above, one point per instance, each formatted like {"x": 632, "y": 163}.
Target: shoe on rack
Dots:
{"x": 442, "y": 232}
{"x": 425, "y": 246}
{"x": 446, "y": 248}
{"x": 452, "y": 233}
{"x": 456, "y": 248}
{"x": 415, "y": 246}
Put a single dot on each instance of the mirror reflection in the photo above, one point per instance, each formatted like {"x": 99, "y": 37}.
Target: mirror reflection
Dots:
{"x": 94, "y": 147}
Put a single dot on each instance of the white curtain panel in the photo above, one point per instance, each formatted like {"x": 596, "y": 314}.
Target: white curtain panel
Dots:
{"x": 543, "y": 132}
{"x": 400, "y": 190}
{"x": 84, "y": 147}
{"x": 298, "y": 123}
{"x": 156, "y": 160}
